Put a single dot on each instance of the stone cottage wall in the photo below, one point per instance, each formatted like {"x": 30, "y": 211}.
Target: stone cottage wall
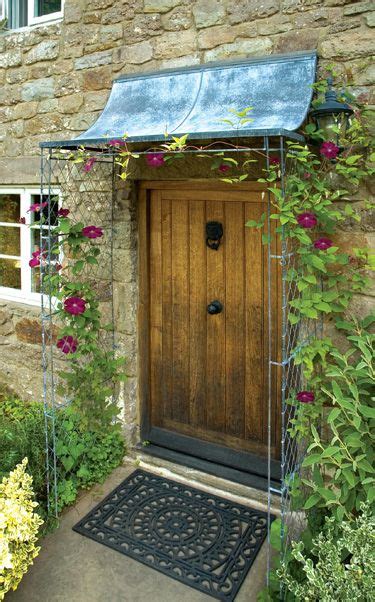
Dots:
{"x": 55, "y": 80}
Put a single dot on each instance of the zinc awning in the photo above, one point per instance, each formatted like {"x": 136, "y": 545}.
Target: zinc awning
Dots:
{"x": 196, "y": 100}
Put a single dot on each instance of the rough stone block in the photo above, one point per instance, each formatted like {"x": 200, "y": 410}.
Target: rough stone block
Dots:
{"x": 277, "y": 24}
{"x": 97, "y": 79}
{"x": 135, "y": 54}
{"x": 215, "y": 36}
{"x": 11, "y": 59}
{"x": 160, "y": 6}
{"x": 370, "y": 19}
{"x": 240, "y": 48}
{"x": 70, "y": 104}
{"x": 356, "y": 8}
{"x": 94, "y": 60}
{"x": 174, "y": 44}
{"x": 344, "y": 25}
{"x": 45, "y": 51}
{"x": 208, "y": 12}
{"x": 72, "y": 12}
{"x": 141, "y": 28}
{"x": 349, "y": 45}
{"x": 182, "y": 61}
{"x": 17, "y": 76}
{"x": 95, "y": 101}
{"x": 68, "y": 84}
{"x": 246, "y": 10}
{"x": 5, "y": 316}
{"x": 48, "y": 105}
{"x": 38, "y": 89}
{"x": 292, "y": 6}
{"x": 177, "y": 19}
{"x": 305, "y": 39}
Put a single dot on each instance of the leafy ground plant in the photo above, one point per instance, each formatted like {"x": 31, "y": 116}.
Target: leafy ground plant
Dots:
{"x": 340, "y": 565}
{"x": 19, "y": 526}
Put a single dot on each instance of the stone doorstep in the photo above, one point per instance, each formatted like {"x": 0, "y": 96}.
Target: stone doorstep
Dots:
{"x": 235, "y": 492}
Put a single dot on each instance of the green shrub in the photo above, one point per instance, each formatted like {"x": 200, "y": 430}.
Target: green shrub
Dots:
{"x": 19, "y": 525}
{"x": 84, "y": 457}
{"x": 339, "y": 566}
{"x": 341, "y": 460}
{"x": 22, "y": 434}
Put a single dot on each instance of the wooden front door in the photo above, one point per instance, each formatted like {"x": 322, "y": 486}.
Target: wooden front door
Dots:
{"x": 207, "y": 373}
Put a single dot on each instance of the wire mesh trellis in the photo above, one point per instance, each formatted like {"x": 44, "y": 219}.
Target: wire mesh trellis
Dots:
{"x": 90, "y": 201}
{"x": 90, "y": 197}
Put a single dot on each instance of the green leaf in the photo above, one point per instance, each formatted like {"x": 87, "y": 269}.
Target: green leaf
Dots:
{"x": 333, "y": 415}
{"x": 371, "y": 494}
{"x": 332, "y": 450}
{"x": 327, "y": 494}
{"x": 312, "y": 501}
{"x": 310, "y": 460}
{"x": 367, "y": 411}
{"x": 68, "y": 462}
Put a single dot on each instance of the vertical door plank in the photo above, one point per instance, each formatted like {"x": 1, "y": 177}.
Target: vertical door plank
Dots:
{"x": 234, "y": 317}
{"x": 167, "y": 348}
{"x": 215, "y": 387}
{"x": 156, "y": 318}
{"x": 180, "y": 310}
{"x": 256, "y": 395}
{"x": 197, "y": 301}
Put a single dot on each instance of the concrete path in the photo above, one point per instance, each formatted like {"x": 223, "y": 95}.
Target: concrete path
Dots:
{"x": 73, "y": 568}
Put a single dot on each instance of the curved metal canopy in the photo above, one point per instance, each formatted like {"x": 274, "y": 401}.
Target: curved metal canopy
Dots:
{"x": 196, "y": 100}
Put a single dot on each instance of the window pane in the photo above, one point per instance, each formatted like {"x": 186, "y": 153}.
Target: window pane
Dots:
{"x": 46, "y": 7}
{"x": 17, "y": 14}
{"x": 37, "y": 198}
{"x": 10, "y": 273}
{"x": 10, "y": 208}
{"x": 35, "y": 280}
{"x": 10, "y": 243}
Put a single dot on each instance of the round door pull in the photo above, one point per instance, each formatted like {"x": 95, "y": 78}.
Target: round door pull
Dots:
{"x": 215, "y": 307}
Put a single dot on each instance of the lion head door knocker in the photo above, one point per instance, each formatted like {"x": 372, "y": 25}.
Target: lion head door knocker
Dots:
{"x": 214, "y": 234}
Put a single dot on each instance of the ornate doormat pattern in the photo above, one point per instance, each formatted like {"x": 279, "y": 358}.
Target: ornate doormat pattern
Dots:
{"x": 202, "y": 540}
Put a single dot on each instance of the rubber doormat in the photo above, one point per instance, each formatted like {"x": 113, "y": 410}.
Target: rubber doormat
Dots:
{"x": 202, "y": 540}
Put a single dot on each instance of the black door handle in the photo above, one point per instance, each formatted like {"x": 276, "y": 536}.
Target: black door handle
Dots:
{"x": 215, "y": 307}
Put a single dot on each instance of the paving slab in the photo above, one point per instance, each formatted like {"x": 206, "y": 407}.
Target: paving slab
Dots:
{"x": 73, "y": 568}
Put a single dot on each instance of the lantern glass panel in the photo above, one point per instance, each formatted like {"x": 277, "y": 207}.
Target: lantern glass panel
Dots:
{"x": 333, "y": 126}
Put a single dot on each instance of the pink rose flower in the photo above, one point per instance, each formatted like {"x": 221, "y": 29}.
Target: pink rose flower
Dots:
{"x": 89, "y": 164}
{"x": 305, "y": 396}
{"x": 307, "y": 220}
{"x": 67, "y": 344}
{"x": 63, "y": 212}
{"x": 323, "y": 244}
{"x": 75, "y": 305}
{"x": 329, "y": 150}
{"x": 274, "y": 161}
{"x": 224, "y": 167}
{"x": 307, "y": 175}
{"x": 36, "y": 207}
{"x": 92, "y": 232}
{"x": 155, "y": 159}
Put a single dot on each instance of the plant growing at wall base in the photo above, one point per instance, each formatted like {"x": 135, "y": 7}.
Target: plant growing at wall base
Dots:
{"x": 19, "y": 526}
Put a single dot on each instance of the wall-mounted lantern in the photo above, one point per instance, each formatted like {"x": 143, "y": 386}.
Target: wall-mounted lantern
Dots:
{"x": 332, "y": 117}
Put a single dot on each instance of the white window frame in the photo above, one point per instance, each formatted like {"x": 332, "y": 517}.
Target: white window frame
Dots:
{"x": 34, "y": 20}
{"x": 24, "y": 294}
{"x": 3, "y": 11}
